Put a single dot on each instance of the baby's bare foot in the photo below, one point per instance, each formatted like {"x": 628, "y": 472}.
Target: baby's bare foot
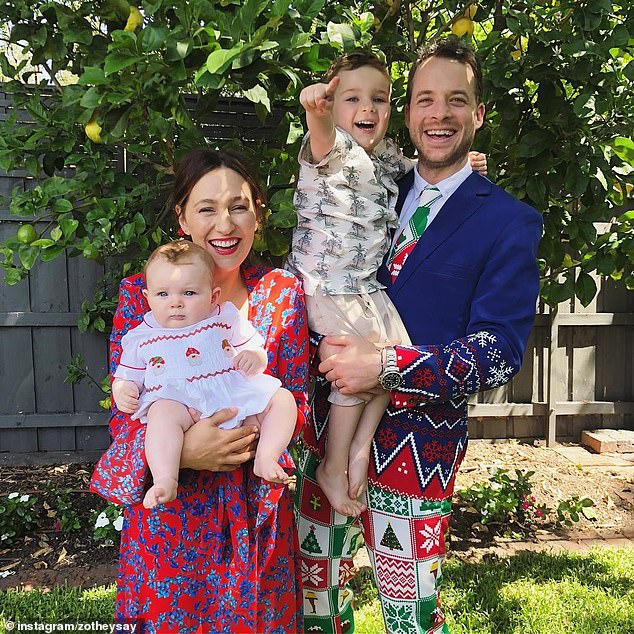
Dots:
{"x": 334, "y": 484}
{"x": 164, "y": 490}
{"x": 269, "y": 469}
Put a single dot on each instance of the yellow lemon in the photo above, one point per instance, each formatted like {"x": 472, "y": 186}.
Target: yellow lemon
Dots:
{"x": 135, "y": 19}
{"x": 470, "y": 11}
{"x": 462, "y": 26}
{"x": 93, "y": 131}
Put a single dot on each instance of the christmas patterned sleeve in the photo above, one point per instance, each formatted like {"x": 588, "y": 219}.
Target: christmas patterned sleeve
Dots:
{"x": 120, "y": 474}
{"x": 502, "y": 313}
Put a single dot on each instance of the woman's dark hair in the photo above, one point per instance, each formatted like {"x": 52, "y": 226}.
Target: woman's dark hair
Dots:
{"x": 200, "y": 161}
{"x": 449, "y": 48}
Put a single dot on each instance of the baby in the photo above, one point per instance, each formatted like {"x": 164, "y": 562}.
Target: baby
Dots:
{"x": 192, "y": 353}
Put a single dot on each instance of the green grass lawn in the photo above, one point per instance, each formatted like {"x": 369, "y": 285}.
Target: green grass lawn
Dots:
{"x": 530, "y": 593}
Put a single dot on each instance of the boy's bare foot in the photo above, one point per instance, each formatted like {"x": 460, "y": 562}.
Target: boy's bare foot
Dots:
{"x": 358, "y": 472}
{"x": 334, "y": 484}
{"x": 268, "y": 469}
{"x": 164, "y": 490}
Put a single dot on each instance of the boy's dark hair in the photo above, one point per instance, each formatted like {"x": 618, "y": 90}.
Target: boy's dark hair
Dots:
{"x": 353, "y": 60}
{"x": 448, "y": 48}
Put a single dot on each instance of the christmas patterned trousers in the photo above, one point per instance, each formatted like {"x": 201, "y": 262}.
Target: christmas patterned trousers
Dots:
{"x": 405, "y": 539}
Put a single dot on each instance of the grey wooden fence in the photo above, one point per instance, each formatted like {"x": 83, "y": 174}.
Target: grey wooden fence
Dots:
{"x": 577, "y": 371}
{"x": 577, "y": 374}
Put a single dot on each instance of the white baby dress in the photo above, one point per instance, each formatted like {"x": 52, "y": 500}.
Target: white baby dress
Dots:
{"x": 194, "y": 365}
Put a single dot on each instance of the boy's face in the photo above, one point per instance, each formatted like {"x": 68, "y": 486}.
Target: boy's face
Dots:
{"x": 180, "y": 294}
{"x": 361, "y": 105}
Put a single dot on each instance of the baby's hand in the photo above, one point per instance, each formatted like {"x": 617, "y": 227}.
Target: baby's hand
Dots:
{"x": 126, "y": 395}
{"x": 478, "y": 162}
{"x": 250, "y": 362}
{"x": 317, "y": 98}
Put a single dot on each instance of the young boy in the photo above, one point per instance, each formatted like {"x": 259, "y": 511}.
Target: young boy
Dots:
{"x": 345, "y": 202}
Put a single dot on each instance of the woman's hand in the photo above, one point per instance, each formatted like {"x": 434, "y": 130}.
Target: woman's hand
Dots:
{"x": 206, "y": 447}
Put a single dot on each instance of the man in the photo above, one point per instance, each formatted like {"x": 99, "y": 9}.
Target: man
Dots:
{"x": 462, "y": 273}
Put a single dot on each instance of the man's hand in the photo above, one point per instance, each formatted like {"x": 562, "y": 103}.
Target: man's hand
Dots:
{"x": 206, "y": 447}
{"x": 317, "y": 98}
{"x": 250, "y": 362}
{"x": 352, "y": 361}
{"x": 125, "y": 395}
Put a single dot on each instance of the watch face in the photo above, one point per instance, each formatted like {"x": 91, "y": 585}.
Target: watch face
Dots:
{"x": 391, "y": 380}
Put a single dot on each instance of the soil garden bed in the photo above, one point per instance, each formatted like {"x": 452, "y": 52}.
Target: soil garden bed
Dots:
{"x": 49, "y": 556}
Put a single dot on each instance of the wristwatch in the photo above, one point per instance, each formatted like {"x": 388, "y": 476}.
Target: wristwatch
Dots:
{"x": 390, "y": 378}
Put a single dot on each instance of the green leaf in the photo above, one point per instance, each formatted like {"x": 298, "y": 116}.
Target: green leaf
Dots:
{"x": 92, "y": 75}
{"x": 624, "y": 149}
{"x": 68, "y": 226}
{"x": 534, "y": 143}
{"x": 277, "y": 242}
{"x": 56, "y": 233}
{"x": 118, "y": 61}
{"x": 341, "y": 36}
{"x": 28, "y": 255}
{"x": 258, "y": 94}
{"x": 585, "y": 288}
{"x": 219, "y": 60}
{"x": 62, "y": 205}
{"x": 12, "y": 276}
{"x": 154, "y": 37}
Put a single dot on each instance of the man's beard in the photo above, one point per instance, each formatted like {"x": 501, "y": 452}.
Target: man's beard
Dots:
{"x": 458, "y": 155}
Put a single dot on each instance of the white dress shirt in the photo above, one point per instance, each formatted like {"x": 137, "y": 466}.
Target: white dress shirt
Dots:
{"x": 447, "y": 187}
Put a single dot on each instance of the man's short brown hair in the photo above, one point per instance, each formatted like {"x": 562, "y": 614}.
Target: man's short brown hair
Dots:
{"x": 448, "y": 48}
{"x": 353, "y": 60}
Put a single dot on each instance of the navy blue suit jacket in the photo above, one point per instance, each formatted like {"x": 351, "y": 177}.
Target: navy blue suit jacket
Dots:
{"x": 473, "y": 269}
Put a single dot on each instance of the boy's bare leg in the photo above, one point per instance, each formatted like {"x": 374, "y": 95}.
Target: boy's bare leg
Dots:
{"x": 167, "y": 421}
{"x": 359, "y": 456}
{"x": 331, "y": 473}
{"x": 277, "y": 424}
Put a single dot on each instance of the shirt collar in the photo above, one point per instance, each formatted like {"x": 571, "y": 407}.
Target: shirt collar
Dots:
{"x": 446, "y": 186}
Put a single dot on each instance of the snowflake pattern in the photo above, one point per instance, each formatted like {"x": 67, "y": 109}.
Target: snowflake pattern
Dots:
{"x": 312, "y": 574}
{"x": 430, "y": 536}
{"x": 499, "y": 375}
{"x": 482, "y": 338}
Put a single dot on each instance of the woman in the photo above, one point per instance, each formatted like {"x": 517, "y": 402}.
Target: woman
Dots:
{"x": 223, "y": 556}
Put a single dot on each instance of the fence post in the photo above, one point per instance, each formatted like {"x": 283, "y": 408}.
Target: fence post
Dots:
{"x": 551, "y": 398}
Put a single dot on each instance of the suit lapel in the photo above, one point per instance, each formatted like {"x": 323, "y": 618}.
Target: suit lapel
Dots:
{"x": 462, "y": 204}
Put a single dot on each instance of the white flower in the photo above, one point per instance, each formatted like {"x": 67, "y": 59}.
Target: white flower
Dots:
{"x": 24, "y": 498}
{"x": 118, "y": 523}
{"x": 102, "y": 520}
{"x": 4, "y": 536}
{"x": 13, "y": 495}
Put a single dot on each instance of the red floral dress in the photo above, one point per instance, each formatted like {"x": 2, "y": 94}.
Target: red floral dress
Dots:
{"x": 223, "y": 556}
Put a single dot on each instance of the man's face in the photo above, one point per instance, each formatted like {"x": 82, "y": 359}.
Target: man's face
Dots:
{"x": 443, "y": 116}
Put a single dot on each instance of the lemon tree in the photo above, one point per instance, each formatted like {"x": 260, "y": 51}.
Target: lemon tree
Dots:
{"x": 115, "y": 91}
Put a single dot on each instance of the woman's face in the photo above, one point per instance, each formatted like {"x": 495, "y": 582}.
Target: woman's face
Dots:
{"x": 220, "y": 216}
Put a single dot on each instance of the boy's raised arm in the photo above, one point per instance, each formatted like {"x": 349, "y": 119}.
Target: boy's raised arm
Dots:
{"x": 317, "y": 100}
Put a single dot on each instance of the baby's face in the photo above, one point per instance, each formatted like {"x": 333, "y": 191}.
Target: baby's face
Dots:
{"x": 180, "y": 294}
{"x": 362, "y": 105}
